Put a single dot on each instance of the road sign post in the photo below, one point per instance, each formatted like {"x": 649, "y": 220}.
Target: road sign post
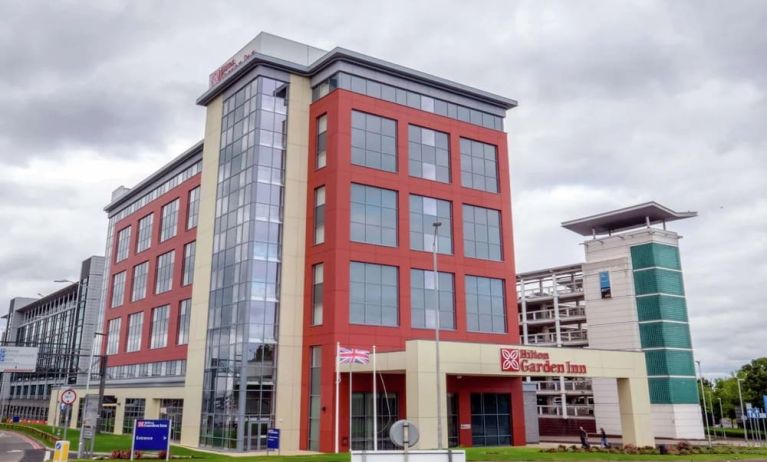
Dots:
{"x": 151, "y": 435}
{"x": 273, "y": 440}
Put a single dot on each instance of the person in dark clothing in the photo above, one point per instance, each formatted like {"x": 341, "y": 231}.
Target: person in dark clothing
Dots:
{"x": 584, "y": 438}
{"x": 603, "y": 435}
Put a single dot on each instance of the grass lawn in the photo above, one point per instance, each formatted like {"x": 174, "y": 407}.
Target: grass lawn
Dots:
{"x": 106, "y": 442}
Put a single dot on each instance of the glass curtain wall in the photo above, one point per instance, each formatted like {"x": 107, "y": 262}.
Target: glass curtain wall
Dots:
{"x": 238, "y": 390}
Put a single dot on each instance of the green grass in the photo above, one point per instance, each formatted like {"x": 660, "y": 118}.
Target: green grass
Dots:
{"x": 106, "y": 442}
{"x": 519, "y": 453}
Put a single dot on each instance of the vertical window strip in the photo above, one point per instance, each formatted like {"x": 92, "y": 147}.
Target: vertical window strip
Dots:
{"x": 123, "y": 244}
{"x": 118, "y": 289}
{"x": 113, "y": 336}
{"x": 144, "y": 240}
{"x": 159, "y": 338}
{"x": 169, "y": 221}
{"x": 164, "y": 281}
{"x": 193, "y": 208}
{"x": 319, "y": 215}
{"x": 190, "y": 251}
{"x": 322, "y": 141}
{"x": 140, "y": 274}
{"x": 318, "y": 277}
{"x": 135, "y": 325}
{"x": 184, "y": 312}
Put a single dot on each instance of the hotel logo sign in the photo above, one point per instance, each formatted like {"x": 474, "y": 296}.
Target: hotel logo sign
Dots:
{"x": 521, "y": 360}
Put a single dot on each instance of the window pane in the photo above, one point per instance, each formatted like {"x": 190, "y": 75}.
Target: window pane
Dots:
{"x": 424, "y": 211}
{"x": 428, "y": 154}
{"x": 375, "y": 140}
{"x": 485, "y": 304}
{"x": 479, "y": 166}
{"x": 372, "y": 210}
{"x": 482, "y": 233}
{"x": 373, "y": 297}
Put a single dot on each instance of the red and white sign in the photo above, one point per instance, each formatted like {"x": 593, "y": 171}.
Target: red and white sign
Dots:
{"x": 68, "y": 396}
{"x": 531, "y": 361}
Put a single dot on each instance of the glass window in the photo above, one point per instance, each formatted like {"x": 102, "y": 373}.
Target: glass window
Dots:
{"x": 428, "y": 154}
{"x": 164, "y": 280}
{"x": 387, "y": 410}
{"x": 135, "y": 325}
{"x": 134, "y": 409}
{"x": 422, "y": 300}
{"x": 373, "y": 215}
{"x": 123, "y": 243}
{"x": 485, "y": 305}
{"x": 184, "y": 313}
{"x": 193, "y": 209}
{"x": 189, "y": 254}
{"x": 481, "y": 233}
{"x": 322, "y": 141}
{"x": 373, "y": 294}
{"x": 317, "y": 295}
{"x": 140, "y": 274}
{"x": 159, "y": 337}
{"x": 169, "y": 223}
{"x": 479, "y": 166}
{"x": 118, "y": 289}
{"x": 424, "y": 211}
{"x": 319, "y": 215}
{"x": 113, "y": 336}
{"x": 315, "y": 386}
{"x": 144, "y": 233}
{"x": 490, "y": 419}
{"x": 374, "y": 141}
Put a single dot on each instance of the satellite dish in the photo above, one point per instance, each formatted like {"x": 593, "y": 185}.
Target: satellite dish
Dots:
{"x": 404, "y": 434}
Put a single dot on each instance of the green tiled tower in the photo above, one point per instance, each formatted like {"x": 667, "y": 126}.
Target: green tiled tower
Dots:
{"x": 663, "y": 326}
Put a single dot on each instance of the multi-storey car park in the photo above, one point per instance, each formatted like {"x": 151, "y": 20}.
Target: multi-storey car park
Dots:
{"x": 304, "y": 219}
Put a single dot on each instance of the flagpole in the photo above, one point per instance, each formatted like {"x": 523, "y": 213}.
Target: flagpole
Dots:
{"x": 350, "y": 405}
{"x": 338, "y": 396}
{"x": 375, "y": 404}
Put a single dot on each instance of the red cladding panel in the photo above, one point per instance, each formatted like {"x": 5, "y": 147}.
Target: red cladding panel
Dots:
{"x": 172, "y": 298}
{"x": 338, "y": 251}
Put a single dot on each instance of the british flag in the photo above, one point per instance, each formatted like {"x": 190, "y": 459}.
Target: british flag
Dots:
{"x": 353, "y": 356}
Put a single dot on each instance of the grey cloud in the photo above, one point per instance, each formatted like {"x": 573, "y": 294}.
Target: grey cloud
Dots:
{"x": 619, "y": 103}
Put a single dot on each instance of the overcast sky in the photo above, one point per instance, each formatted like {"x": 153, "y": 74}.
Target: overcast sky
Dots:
{"x": 619, "y": 103}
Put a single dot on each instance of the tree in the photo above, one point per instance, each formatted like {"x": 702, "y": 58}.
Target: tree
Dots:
{"x": 754, "y": 384}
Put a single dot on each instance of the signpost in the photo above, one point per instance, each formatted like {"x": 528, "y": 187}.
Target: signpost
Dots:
{"x": 151, "y": 435}
{"x": 273, "y": 439}
{"x": 18, "y": 359}
{"x": 68, "y": 397}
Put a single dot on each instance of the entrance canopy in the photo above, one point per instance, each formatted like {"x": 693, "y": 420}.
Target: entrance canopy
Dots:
{"x": 479, "y": 359}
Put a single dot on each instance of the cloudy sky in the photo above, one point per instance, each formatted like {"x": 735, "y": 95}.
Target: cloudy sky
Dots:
{"x": 620, "y": 103}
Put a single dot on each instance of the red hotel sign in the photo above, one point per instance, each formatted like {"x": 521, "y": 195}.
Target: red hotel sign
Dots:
{"x": 516, "y": 360}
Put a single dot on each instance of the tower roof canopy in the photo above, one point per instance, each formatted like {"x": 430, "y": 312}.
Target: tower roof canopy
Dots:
{"x": 636, "y": 216}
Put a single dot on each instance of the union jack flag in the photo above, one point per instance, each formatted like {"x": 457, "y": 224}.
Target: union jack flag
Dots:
{"x": 353, "y": 355}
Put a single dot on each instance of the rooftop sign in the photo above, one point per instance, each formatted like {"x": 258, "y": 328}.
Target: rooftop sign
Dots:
{"x": 18, "y": 359}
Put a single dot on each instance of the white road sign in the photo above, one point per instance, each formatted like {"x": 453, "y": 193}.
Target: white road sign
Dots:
{"x": 18, "y": 359}
{"x": 68, "y": 396}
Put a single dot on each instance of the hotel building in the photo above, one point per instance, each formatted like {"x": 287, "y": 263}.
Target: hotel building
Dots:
{"x": 303, "y": 220}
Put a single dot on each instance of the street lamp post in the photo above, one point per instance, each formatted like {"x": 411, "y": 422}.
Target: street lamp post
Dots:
{"x": 703, "y": 395}
{"x": 721, "y": 416}
{"x": 435, "y": 247}
{"x": 742, "y": 411}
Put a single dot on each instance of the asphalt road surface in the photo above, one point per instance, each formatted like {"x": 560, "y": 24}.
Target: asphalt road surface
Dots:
{"x": 15, "y": 447}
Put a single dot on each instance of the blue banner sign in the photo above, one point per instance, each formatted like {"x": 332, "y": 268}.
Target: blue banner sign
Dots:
{"x": 764, "y": 398}
{"x": 151, "y": 435}
{"x": 273, "y": 439}
{"x": 604, "y": 284}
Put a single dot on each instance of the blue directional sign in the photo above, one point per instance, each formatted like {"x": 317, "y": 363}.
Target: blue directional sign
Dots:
{"x": 151, "y": 435}
{"x": 273, "y": 439}
{"x": 764, "y": 398}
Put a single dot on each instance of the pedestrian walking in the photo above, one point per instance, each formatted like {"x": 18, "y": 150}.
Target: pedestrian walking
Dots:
{"x": 603, "y": 435}
{"x": 584, "y": 438}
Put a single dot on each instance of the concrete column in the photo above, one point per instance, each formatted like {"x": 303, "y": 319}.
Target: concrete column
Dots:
{"x": 420, "y": 384}
{"x": 151, "y": 408}
{"x": 557, "y": 327}
{"x": 524, "y": 312}
{"x": 119, "y": 416}
{"x": 636, "y": 419}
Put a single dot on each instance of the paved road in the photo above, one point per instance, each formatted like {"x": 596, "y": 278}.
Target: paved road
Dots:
{"x": 15, "y": 447}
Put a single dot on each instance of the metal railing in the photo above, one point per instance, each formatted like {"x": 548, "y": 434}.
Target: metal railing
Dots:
{"x": 551, "y": 337}
{"x": 569, "y": 385}
{"x": 535, "y": 292}
{"x": 549, "y": 315}
{"x": 554, "y": 410}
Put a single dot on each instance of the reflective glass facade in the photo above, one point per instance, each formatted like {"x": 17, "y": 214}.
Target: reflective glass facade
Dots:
{"x": 238, "y": 391}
